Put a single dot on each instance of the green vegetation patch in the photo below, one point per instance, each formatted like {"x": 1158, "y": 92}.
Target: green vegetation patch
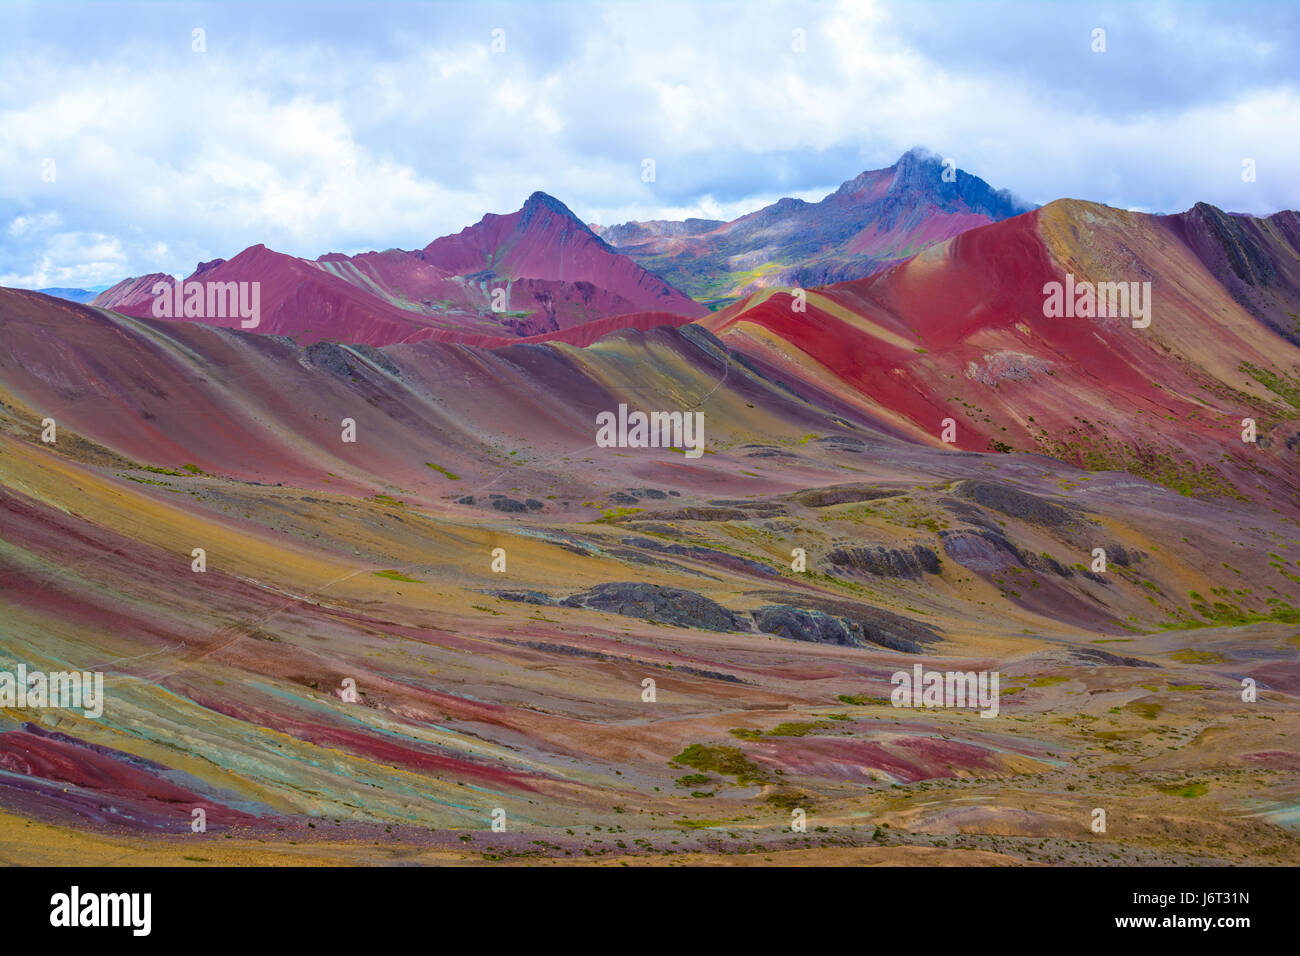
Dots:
{"x": 1097, "y": 452}
{"x": 799, "y": 728}
{"x": 693, "y": 780}
{"x": 1282, "y": 385}
{"x": 1189, "y": 655}
{"x": 862, "y": 700}
{"x": 613, "y": 514}
{"x": 725, "y": 761}
{"x": 1046, "y": 681}
{"x": 789, "y": 799}
{"x": 1188, "y": 791}
{"x": 1145, "y": 709}
{"x": 397, "y": 576}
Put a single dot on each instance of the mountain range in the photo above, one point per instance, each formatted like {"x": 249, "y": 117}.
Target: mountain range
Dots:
{"x": 534, "y": 271}
{"x": 73, "y": 295}
{"x": 540, "y": 270}
{"x": 392, "y": 488}
{"x": 876, "y": 218}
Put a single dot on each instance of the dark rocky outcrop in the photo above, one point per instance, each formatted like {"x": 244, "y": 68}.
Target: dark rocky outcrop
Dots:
{"x": 983, "y": 550}
{"x": 1017, "y": 504}
{"x": 766, "y": 451}
{"x": 524, "y": 597}
{"x": 1116, "y": 554}
{"x": 635, "y": 495}
{"x": 794, "y": 623}
{"x": 887, "y": 629}
{"x": 502, "y": 503}
{"x": 969, "y": 513}
{"x": 652, "y": 493}
{"x": 865, "y": 624}
{"x": 825, "y": 497}
{"x": 846, "y": 443}
{"x": 702, "y": 514}
{"x": 719, "y": 558}
{"x": 652, "y": 602}
{"x": 330, "y": 357}
{"x": 828, "y": 621}
{"x": 980, "y": 549}
{"x": 887, "y": 562}
{"x": 377, "y": 358}
{"x": 1094, "y": 656}
{"x": 1045, "y": 564}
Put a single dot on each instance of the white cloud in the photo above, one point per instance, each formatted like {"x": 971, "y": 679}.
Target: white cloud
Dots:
{"x": 330, "y": 138}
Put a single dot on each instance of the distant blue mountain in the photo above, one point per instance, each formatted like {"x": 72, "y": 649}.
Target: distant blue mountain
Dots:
{"x": 72, "y": 295}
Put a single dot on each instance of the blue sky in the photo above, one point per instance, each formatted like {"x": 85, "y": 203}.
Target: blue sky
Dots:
{"x": 344, "y": 127}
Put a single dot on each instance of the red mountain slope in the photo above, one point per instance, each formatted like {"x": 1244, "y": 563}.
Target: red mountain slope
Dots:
{"x": 544, "y": 240}
{"x": 297, "y": 298}
{"x": 538, "y": 271}
{"x": 959, "y": 332}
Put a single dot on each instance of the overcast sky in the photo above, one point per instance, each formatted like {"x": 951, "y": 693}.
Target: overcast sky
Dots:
{"x": 324, "y": 127}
